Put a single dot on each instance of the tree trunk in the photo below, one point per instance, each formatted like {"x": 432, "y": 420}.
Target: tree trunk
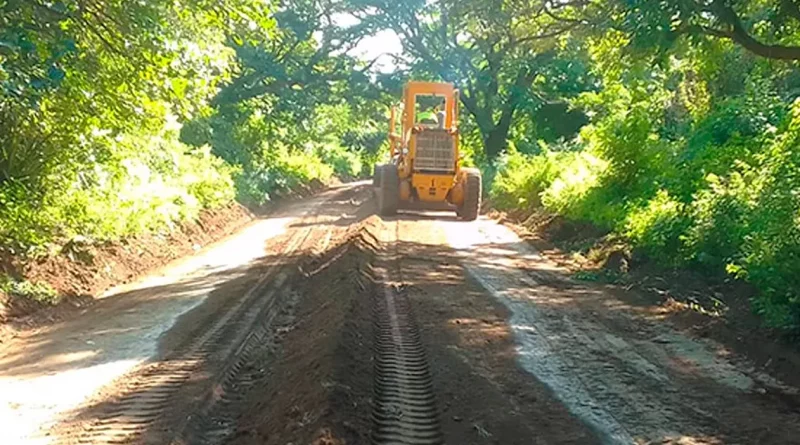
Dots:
{"x": 496, "y": 141}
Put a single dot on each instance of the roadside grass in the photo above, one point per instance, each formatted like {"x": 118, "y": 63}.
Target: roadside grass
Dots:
{"x": 39, "y": 291}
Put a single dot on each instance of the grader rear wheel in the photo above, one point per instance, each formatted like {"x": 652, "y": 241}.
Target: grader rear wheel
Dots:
{"x": 376, "y": 176}
{"x": 389, "y": 193}
{"x": 471, "y": 207}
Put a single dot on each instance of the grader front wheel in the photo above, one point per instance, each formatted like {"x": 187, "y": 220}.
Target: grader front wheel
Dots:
{"x": 376, "y": 176}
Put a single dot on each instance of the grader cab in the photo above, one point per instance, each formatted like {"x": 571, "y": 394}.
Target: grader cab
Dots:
{"x": 425, "y": 165}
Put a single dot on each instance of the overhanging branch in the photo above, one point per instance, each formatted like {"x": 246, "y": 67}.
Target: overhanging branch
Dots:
{"x": 740, "y": 35}
{"x": 544, "y": 36}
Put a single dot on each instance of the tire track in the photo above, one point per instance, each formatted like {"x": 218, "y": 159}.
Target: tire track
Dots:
{"x": 405, "y": 409}
{"x": 217, "y": 418}
{"x": 145, "y": 398}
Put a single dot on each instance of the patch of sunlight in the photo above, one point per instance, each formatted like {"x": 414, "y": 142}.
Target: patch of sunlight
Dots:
{"x": 67, "y": 358}
{"x": 477, "y": 334}
{"x": 245, "y": 247}
{"x": 685, "y": 440}
{"x": 30, "y": 405}
{"x": 696, "y": 357}
{"x": 464, "y": 321}
{"x": 616, "y": 305}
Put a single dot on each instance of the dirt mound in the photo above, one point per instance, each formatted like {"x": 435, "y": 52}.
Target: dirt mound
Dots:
{"x": 83, "y": 269}
{"x": 320, "y": 390}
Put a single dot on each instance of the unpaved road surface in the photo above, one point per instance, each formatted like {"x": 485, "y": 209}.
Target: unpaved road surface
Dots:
{"x": 45, "y": 374}
{"x": 326, "y": 324}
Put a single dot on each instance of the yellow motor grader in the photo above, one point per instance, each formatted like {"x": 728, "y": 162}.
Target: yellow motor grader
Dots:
{"x": 425, "y": 164}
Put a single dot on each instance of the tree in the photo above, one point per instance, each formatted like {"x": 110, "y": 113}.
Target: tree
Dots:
{"x": 287, "y": 88}
{"x": 493, "y": 50}
{"x": 767, "y": 28}
{"x": 69, "y": 68}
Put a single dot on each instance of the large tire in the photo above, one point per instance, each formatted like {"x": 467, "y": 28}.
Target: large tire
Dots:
{"x": 389, "y": 193}
{"x": 471, "y": 206}
{"x": 376, "y": 176}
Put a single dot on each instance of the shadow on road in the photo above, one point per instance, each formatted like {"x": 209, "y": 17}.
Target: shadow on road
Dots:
{"x": 499, "y": 307}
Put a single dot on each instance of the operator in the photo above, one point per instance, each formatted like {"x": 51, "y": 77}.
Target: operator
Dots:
{"x": 441, "y": 115}
{"x": 427, "y": 117}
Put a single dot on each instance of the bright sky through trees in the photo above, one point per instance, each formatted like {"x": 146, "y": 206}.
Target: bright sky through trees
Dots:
{"x": 384, "y": 45}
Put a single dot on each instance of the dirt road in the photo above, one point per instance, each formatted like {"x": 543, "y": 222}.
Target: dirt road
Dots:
{"x": 327, "y": 324}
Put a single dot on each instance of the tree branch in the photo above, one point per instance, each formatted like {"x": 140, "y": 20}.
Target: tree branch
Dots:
{"x": 471, "y": 104}
{"x": 559, "y": 18}
{"x": 544, "y": 36}
{"x": 372, "y": 63}
{"x": 107, "y": 43}
{"x": 739, "y": 34}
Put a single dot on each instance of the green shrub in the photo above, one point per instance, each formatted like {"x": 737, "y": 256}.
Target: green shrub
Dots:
{"x": 26, "y": 219}
{"x": 770, "y": 257}
{"x": 36, "y": 291}
{"x": 521, "y": 179}
{"x": 138, "y": 183}
{"x": 720, "y": 220}
{"x": 574, "y": 192}
{"x": 345, "y": 163}
{"x": 734, "y": 132}
{"x": 150, "y": 183}
{"x": 657, "y": 228}
{"x": 278, "y": 171}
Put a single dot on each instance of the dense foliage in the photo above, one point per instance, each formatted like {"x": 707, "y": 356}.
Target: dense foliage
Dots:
{"x": 91, "y": 100}
{"x": 672, "y": 124}
{"x": 692, "y": 156}
{"x": 120, "y": 117}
